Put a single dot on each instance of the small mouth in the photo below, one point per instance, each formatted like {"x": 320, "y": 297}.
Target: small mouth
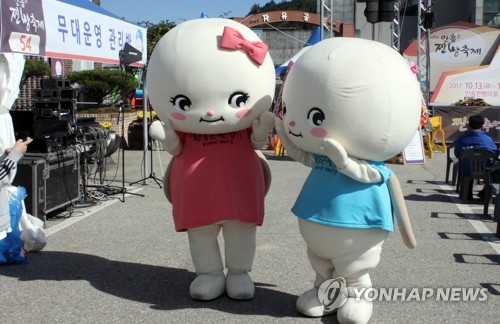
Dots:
{"x": 293, "y": 134}
{"x": 211, "y": 121}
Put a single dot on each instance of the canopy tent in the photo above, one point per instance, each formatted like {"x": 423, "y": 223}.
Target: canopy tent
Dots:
{"x": 69, "y": 29}
{"x": 313, "y": 39}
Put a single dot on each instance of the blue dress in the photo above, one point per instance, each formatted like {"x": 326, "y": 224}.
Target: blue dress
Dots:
{"x": 331, "y": 198}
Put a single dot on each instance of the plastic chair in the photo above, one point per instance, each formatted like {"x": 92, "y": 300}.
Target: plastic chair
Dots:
{"x": 490, "y": 186}
{"x": 496, "y": 213}
{"x": 474, "y": 164}
{"x": 437, "y": 128}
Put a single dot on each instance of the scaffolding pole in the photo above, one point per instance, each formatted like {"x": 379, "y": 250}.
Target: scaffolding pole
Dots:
{"x": 423, "y": 52}
{"x": 326, "y": 17}
{"x": 396, "y": 27}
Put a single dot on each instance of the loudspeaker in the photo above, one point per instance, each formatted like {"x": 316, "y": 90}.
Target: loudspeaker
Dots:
{"x": 30, "y": 175}
{"x": 52, "y": 180}
{"x": 54, "y": 83}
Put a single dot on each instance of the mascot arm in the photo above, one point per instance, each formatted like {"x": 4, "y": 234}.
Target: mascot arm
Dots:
{"x": 261, "y": 127}
{"x": 164, "y": 132}
{"x": 401, "y": 213}
{"x": 296, "y": 153}
{"x": 358, "y": 170}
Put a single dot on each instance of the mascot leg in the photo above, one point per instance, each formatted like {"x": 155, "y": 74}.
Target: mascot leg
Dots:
{"x": 354, "y": 267}
{"x": 205, "y": 252}
{"x": 341, "y": 252}
{"x": 308, "y": 303}
{"x": 239, "y": 241}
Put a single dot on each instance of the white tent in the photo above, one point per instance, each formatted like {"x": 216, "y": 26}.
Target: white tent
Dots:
{"x": 69, "y": 29}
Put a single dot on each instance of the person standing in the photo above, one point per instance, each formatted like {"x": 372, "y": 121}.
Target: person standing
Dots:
{"x": 11, "y": 152}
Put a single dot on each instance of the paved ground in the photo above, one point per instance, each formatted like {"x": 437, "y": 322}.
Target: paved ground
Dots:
{"x": 122, "y": 262}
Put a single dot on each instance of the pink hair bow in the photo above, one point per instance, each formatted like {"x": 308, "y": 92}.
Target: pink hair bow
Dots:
{"x": 234, "y": 40}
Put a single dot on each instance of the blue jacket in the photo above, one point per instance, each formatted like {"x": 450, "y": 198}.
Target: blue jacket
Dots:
{"x": 474, "y": 139}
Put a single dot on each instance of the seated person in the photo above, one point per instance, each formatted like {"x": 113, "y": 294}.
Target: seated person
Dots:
{"x": 475, "y": 138}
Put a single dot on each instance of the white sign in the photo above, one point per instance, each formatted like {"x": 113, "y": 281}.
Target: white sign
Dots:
{"x": 414, "y": 151}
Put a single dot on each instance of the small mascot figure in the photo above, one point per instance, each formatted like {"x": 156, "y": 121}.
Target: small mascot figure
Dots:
{"x": 211, "y": 82}
{"x": 349, "y": 104}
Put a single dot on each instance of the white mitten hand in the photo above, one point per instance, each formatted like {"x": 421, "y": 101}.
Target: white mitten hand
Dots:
{"x": 261, "y": 127}
{"x": 164, "y": 132}
{"x": 296, "y": 153}
{"x": 358, "y": 170}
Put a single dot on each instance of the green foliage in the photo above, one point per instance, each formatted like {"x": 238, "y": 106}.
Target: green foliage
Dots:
{"x": 302, "y": 5}
{"x": 34, "y": 67}
{"x": 155, "y": 32}
{"x": 98, "y": 84}
{"x": 299, "y": 5}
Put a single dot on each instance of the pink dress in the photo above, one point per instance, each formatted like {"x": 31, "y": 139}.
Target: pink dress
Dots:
{"x": 215, "y": 178}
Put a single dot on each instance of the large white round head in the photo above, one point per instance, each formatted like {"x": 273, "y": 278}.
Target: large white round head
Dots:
{"x": 358, "y": 92}
{"x": 203, "y": 88}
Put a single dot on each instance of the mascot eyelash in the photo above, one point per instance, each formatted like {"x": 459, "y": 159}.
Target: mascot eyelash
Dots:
{"x": 243, "y": 98}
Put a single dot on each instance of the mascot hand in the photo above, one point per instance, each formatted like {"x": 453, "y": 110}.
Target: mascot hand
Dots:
{"x": 261, "y": 128}
{"x": 164, "y": 132}
{"x": 358, "y": 170}
{"x": 296, "y": 153}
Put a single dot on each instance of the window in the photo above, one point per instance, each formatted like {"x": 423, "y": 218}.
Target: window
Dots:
{"x": 491, "y": 13}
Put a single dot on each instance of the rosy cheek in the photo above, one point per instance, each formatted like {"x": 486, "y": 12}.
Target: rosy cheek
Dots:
{"x": 178, "y": 116}
{"x": 243, "y": 113}
{"x": 319, "y": 132}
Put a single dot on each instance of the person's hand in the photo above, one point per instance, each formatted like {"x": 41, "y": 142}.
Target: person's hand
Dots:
{"x": 21, "y": 145}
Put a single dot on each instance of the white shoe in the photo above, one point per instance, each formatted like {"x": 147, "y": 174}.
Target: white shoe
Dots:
{"x": 239, "y": 285}
{"x": 355, "y": 311}
{"x": 310, "y": 305}
{"x": 208, "y": 286}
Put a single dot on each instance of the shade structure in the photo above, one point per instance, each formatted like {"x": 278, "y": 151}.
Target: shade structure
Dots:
{"x": 69, "y": 29}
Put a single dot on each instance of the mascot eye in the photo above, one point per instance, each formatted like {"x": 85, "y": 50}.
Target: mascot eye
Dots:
{"x": 238, "y": 99}
{"x": 316, "y": 117}
{"x": 181, "y": 102}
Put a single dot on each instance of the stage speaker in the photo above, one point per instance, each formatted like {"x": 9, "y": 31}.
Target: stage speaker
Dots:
{"x": 52, "y": 181}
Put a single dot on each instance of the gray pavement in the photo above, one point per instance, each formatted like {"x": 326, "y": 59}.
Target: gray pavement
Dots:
{"x": 123, "y": 262}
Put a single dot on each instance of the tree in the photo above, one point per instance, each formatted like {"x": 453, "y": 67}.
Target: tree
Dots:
{"x": 301, "y": 5}
{"x": 155, "y": 32}
{"x": 99, "y": 84}
{"x": 34, "y": 67}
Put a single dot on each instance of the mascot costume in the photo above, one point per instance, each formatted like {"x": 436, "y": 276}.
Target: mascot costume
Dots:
{"x": 349, "y": 105}
{"x": 211, "y": 82}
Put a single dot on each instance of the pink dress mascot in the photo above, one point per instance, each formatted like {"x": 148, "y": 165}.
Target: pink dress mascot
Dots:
{"x": 211, "y": 82}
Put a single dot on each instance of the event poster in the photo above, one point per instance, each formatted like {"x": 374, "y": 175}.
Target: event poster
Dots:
{"x": 456, "y": 120}
{"x": 63, "y": 30}
{"x": 23, "y": 27}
